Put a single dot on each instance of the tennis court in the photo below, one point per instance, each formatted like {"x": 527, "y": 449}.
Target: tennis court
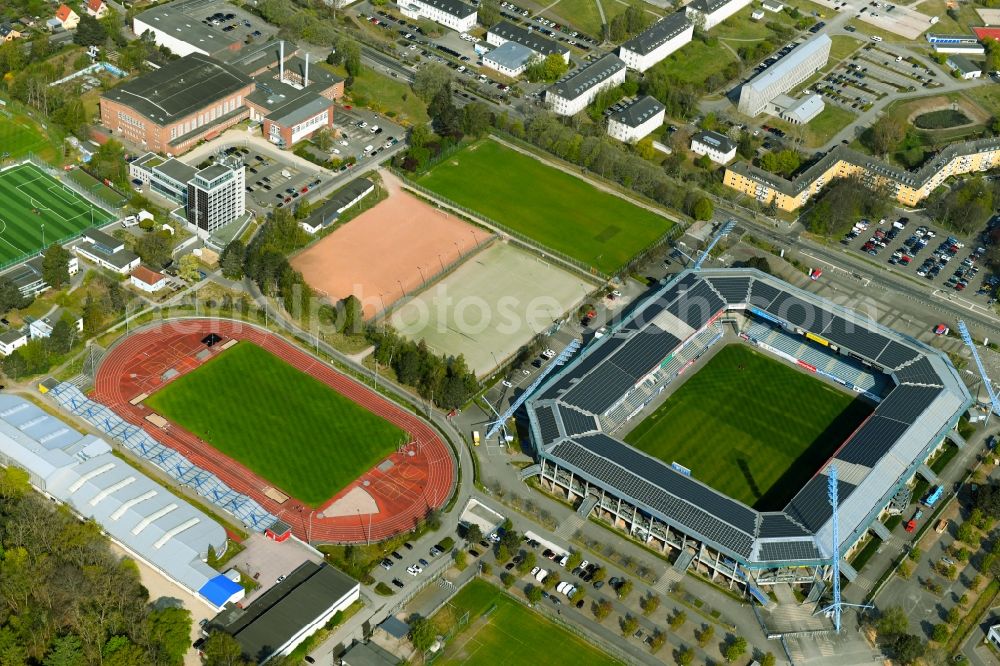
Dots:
{"x": 38, "y": 210}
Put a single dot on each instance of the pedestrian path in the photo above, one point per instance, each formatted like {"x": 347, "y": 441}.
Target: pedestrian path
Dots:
{"x": 569, "y": 526}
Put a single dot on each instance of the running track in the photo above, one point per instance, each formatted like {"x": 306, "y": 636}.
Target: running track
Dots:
{"x": 421, "y": 475}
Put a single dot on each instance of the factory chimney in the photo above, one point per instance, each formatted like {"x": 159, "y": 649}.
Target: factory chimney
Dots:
{"x": 305, "y": 78}
{"x": 281, "y": 61}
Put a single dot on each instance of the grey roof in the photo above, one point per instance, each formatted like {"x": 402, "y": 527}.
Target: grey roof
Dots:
{"x": 300, "y": 109}
{"x": 276, "y": 616}
{"x": 963, "y": 64}
{"x": 330, "y": 209}
{"x": 874, "y": 462}
{"x": 528, "y": 38}
{"x": 179, "y": 88}
{"x": 173, "y": 18}
{"x": 101, "y": 238}
{"x": 577, "y": 83}
{"x": 511, "y": 55}
{"x": 708, "y": 6}
{"x": 639, "y": 111}
{"x": 368, "y": 654}
{"x": 788, "y": 63}
{"x": 11, "y": 336}
{"x": 82, "y": 471}
{"x": 456, "y": 8}
{"x": 176, "y": 170}
{"x": 657, "y": 34}
{"x": 717, "y": 141}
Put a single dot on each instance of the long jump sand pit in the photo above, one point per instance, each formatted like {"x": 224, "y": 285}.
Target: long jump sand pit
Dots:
{"x": 491, "y": 305}
{"x": 388, "y": 250}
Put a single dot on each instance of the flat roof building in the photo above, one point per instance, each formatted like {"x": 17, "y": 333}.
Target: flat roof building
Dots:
{"x": 216, "y": 196}
{"x": 510, "y": 59}
{"x": 637, "y": 120}
{"x": 657, "y": 42}
{"x": 106, "y": 251}
{"x": 965, "y": 67}
{"x": 572, "y": 93}
{"x": 802, "y": 62}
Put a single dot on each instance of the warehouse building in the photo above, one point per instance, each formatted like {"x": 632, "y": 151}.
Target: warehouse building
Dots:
{"x": 656, "y": 42}
{"x": 149, "y": 522}
{"x": 287, "y": 614}
{"x": 453, "y": 14}
{"x": 637, "y": 120}
{"x": 572, "y": 93}
{"x": 757, "y": 94}
{"x": 909, "y": 188}
{"x": 505, "y": 31}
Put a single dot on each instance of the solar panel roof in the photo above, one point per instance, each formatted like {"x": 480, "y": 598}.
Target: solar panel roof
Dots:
{"x": 761, "y": 294}
{"x": 811, "y": 506}
{"x": 905, "y": 403}
{"x": 604, "y": 387}
{"x": 852, "y": 335}
{"x": 547, "y": 424}
{"x": 872, "y": 440}
{"x": 696, "y": 306}
{"x": 788, "y": 551}
{"x": 645, "y": 351}
{"x": 734, "y": 290}
{"x": 576, "y": 422}
{"x": 777, "y": 525}
{"x": 895, "y": 355}
{"x": 919, "y": 372}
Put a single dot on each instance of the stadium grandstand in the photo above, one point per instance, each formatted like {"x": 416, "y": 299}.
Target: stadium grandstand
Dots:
{"x": 916, "y": 393}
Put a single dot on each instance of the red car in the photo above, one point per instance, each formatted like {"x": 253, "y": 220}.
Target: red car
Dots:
{"x": 304, "y": 189}
{"x": 815, "y": 273}
{"x": 911, "y": 525}
{"x": 941, "y": 329}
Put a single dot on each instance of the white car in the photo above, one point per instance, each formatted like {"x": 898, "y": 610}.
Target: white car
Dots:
{"x": 363, "y": 124}
{"x": 541, "y": 575}
{"x": 414, "y": 569}
{"x": 569, "y": 590}
{"x": 336, "y": 151}
{"x": 344, "y": 142}
{"x": 563, "y": 586}
{"x": 535, "y": 571}
{"x": 584, "y": 565}
{"x": 563, "y": 560}
{"x": 506, "y": 383}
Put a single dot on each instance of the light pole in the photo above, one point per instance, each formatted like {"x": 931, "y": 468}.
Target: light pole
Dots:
{"x": 402, "y": 294}
{"x": 460, "y": 255}
{"x": 423, "y": 280}
{"x": 43, "y": 236}
{"x": 441, "y": 261}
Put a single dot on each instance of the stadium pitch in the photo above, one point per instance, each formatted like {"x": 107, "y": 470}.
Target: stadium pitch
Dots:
{"x": 556, "y": 209}
{"x": 750, "y": 426}
{"x": 499, "y": 630}
{"x": 32, "y": 200}
{"x": 284, "y": 425}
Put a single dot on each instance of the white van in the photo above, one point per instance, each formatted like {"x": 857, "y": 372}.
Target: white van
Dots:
{"x": 368, "y": 149}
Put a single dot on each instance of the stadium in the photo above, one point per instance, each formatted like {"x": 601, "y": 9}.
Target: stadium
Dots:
{"x": 336, "y": 463}
{"x": 746, "y": 518}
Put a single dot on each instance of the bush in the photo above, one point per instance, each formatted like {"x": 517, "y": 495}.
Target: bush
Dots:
{"x": 383, "y": 589}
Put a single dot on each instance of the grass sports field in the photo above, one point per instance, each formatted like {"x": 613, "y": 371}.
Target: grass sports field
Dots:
{"x": 31, "y": 198}
{"x": 768, "y": 427}
{"x": 509, "y": 634}
{"x": 20, "y": 135}
{"x": 284, "y": 425}
{"x": 558, "y": 210}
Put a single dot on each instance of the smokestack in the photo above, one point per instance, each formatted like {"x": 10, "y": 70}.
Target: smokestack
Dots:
{"x": 281, "y": 61}
{"x": 305, "y": 80}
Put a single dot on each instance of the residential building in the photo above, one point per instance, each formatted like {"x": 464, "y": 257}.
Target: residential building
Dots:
{"x": 637, "y": 120}
{"x": 993, "y": 636}
{"x": 909, "y": 188}
{"x": 11, "y": 340}
{"x": 148, "y": 521}
{"x": 68, "y": 19}
{"x": 279, "y": 620}
{"x": 802, "y": 62}
{"x": 8, "y": 33}
{"x": 772, "y": 6}
{"x": 572, "y": 93}
{"x": 107, "y": 252}
{"x": 656, "y": 42}
{"x": 710, "y": 13}
{"x": 147, "y": 280}
{"x": 966, "y": 68}
{"x": 329, "y": 211}
{"x": 171, "y": 109}
{"x": 505, "y": 31}
{"x": 717, "y": 147}
{"x": 28, "y": 277}
{"x": 97, "y": 8}
{"x": 42, "y": 328}
{"x": 510, "y": 59}
{"x": 453, "y": 14}
{"x": 216, "y": 196}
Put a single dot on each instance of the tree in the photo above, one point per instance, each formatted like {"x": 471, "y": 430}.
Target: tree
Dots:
{"x": 188, "y": 268}
{"x": 40, "y": 47}
{"x": 601, "y": 609}
{"x": 350, "y": 53}
{"x": 735, "y": 649}
{"x": 685, "y": 656}
{"x": 154, "y": 249}
{"x": 628, "y": 625}
{"x": 782, "y": 162}
{"x": 908, "y": 648}
{"x": 231, "y": 260}
{"x": 430, "y": 80}
{"x": 323, "y": 140}
{"x": 476, "y": 119}
{"x": 507, "y": 579}
{"x": 600, "y": 573}
{"x": 940, "y": 633}
{"x": 533, "y": 593}
{"x": 89, "y": 32}
{"x": 422, "y": 633}
{"x": 61, "y": 339}
{"x": 473, "y": 533}
{"x": 55, "y": 266}
{"x": 551, "y": 580}
{"x": 460, "y": 559}
{"x": 489, "y": 13}
{"x": 649, "y": 604}
{"x": 573, "y": 560}
{"x": 885, "y": 135}
{"x": 893, "y": 622}
{"x": 169, "y": 629}
{"x": 760, "y": 263}
{"x": 954, "y": 615}
{"x": 109, "y": 162}
{"x": 703, "y": 209}
{"x": 221, "y": 649}
{"x": 767, "y": 659}
{"x": 678, "y": 619}
{"x": 527, "y": 563}
{"x": 68, "y": 651}
{"x": 705, "y": 635}
{"x": 657, "y": 640}
{"x": 624, "y": 589}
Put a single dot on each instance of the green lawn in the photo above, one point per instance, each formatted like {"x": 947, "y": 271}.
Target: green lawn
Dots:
{"x": 510, "y": 634}
{"x": 842, "y": 46}
{"x": 38, "y": 210}
{"x": 385, "y": 95}
{"x": 820, "y": 129}
{"x": 696, "y": 62}
{"x": 286, "y": 426}
{"x": 750, "y": 426}
{"x": 19, "y": 135}
{"x": 559, "y": 210}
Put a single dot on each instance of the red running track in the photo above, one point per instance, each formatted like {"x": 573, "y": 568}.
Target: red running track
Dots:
{"x": 420, "y": 476}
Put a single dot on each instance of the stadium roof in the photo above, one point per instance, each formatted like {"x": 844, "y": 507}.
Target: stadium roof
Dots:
{"x": 579, "y": 82}
{"x": 81, "y": 471}
{"x": 658, "y": 34}
{"x": 179, "y": 88}
{"x": 875, "y": 461}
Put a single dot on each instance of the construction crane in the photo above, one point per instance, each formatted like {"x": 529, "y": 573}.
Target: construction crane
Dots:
{"x": 560, "y": 359}
{"x": 963, "y": 330}
{"x": 724, "y": 231}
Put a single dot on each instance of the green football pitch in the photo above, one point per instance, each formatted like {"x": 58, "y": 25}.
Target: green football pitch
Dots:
{"x": 38, "y": 210}
{"x": 286, "y": 426}
{"x": 501, "y": 630}
{"x": 750, "y": 426}
{"x": 556, "y": 209}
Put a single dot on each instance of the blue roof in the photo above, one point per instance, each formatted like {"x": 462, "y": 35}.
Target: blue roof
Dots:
{"x": 219, "y": 590}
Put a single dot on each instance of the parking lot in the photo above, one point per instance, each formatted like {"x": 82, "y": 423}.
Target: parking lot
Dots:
{"x": 928, "y": 253}
{"x": 272, "y": 182}
{"x": 233, "y": 22}
{"x": 875, "y": 72}
{"x": 364, "y": 135}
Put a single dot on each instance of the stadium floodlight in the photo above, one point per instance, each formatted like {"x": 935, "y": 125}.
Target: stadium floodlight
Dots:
{"x": 963, "y": 330}
{"x": 724, "y": 231}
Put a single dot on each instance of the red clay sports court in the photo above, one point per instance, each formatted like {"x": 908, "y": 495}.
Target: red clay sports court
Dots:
{"x": 403, "y": 487}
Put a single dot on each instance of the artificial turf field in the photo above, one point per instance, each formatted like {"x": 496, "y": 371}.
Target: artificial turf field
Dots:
{"x": 509, "y": 634}
{"x": 25, "y": 189}
{"x": 750, "y": 426}
{"x": 286, "y": 426}
{"x": 558, "y": 210}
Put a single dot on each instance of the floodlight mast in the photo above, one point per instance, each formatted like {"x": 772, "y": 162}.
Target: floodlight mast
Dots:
{"x": 724, "y": 231}
{"x": 963, "y": 330}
